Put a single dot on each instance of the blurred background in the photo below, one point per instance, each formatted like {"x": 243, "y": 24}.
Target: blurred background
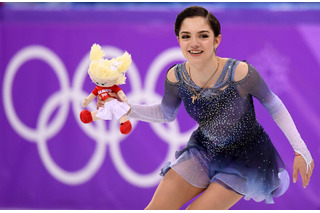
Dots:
{"x": 50, "y": 160}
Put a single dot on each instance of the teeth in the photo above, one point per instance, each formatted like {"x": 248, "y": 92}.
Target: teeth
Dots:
{"x": 195, "y": 52}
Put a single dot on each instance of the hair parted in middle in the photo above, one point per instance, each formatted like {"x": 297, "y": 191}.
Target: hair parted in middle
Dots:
{"x": 194, "y": 11}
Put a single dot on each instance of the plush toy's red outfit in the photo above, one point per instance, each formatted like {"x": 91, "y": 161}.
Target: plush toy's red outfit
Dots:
{"x": 104, "y": 91}
{"x": 116, "y": 108}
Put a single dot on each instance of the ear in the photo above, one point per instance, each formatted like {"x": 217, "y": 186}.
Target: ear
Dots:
{"x": 217, "y": 41}
{"x": 178, "y": 39}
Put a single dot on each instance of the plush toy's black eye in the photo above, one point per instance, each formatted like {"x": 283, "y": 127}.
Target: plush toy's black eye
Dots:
{"x": 97, "y": 82}
{"x": 102, "y": 84}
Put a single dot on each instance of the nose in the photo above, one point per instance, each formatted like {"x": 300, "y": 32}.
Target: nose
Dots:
{"x": 194, "y": 43}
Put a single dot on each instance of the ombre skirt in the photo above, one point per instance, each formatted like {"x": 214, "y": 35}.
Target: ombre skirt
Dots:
{"x": 252, "y": 168}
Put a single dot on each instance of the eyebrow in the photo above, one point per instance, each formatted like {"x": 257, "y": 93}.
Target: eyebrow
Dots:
{"x": 202, "y": 31}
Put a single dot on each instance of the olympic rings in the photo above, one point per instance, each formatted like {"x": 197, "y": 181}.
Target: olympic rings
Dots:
{"x": 74, "y": 94}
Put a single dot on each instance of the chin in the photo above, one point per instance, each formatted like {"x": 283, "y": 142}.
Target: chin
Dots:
{"x": 196, "y": 60}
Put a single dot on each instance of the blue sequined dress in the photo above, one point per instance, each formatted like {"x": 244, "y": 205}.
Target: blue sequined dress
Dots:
{"x": 229, "y": 146}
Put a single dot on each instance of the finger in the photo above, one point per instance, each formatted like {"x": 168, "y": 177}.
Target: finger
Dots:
{"x": 112, "y": 94}
{"x": 308, "y": 178}
{"x": 99, "y": 99}
{"x": 309, "y": 175}
{"x": 295, "y": 175}
{"x": 304, "y": 178}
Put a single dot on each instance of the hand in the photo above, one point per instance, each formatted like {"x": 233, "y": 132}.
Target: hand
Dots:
{"x": 100, "y": 102}
{"x": 114, "y": 95}
{"x": 122, "y": 97}
{"x": 299, "y": 164}
{"x": 125, "y": 99}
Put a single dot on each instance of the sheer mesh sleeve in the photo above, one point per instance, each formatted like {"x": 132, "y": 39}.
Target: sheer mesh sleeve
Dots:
{"x": 283, "y": 119}
{"x": 254, "y": 84}
{"x": 165, "y": 111}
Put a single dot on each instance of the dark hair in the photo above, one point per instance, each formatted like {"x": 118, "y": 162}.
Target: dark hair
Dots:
{"x": 197, "y": 11}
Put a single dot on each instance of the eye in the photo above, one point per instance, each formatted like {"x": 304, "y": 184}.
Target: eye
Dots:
{"x": 97, "y": 82}
{"x": 102, "y": 84}
{"x": 185, "y": 36}
{"x": 204, "y": 36}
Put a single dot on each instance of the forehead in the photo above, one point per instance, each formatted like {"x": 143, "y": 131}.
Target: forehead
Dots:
{"x": 196, "y": 23}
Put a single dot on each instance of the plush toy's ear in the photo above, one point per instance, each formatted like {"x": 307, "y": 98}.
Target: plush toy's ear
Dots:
{"x": 96, "y": 52}
{"x": 125, "y": 60}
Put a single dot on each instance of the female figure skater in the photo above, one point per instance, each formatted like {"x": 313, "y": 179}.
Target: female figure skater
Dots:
{"x": 229, "y": 156}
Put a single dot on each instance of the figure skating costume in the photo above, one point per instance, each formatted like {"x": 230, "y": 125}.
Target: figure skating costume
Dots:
{"x": 229, "y": 146}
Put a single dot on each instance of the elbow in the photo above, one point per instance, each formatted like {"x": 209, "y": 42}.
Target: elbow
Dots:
{"x": 170, "y": 118}
{"x": 169, "y": 114}
{"x": 274, "y": 105}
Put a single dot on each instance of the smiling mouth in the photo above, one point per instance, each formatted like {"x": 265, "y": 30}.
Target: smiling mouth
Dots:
{"x": 195, "y": 52}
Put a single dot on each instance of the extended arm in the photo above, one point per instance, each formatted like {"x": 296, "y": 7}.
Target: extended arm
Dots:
{"x": 283, "y": 119}
{"x": 164, "y": 111}
{"x": 256, "y": 86}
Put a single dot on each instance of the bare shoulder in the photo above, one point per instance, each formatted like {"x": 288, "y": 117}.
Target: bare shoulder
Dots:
{"x": 241, "y": 71}
{"x": 171, "y": 76}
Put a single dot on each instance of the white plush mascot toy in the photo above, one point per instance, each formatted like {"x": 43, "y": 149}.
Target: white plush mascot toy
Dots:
{"x": 107, "y": 75}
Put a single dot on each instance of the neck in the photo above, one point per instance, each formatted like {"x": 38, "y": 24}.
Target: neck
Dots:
{"x": 203, "y": 78}
{"x": 205, "y": 68}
